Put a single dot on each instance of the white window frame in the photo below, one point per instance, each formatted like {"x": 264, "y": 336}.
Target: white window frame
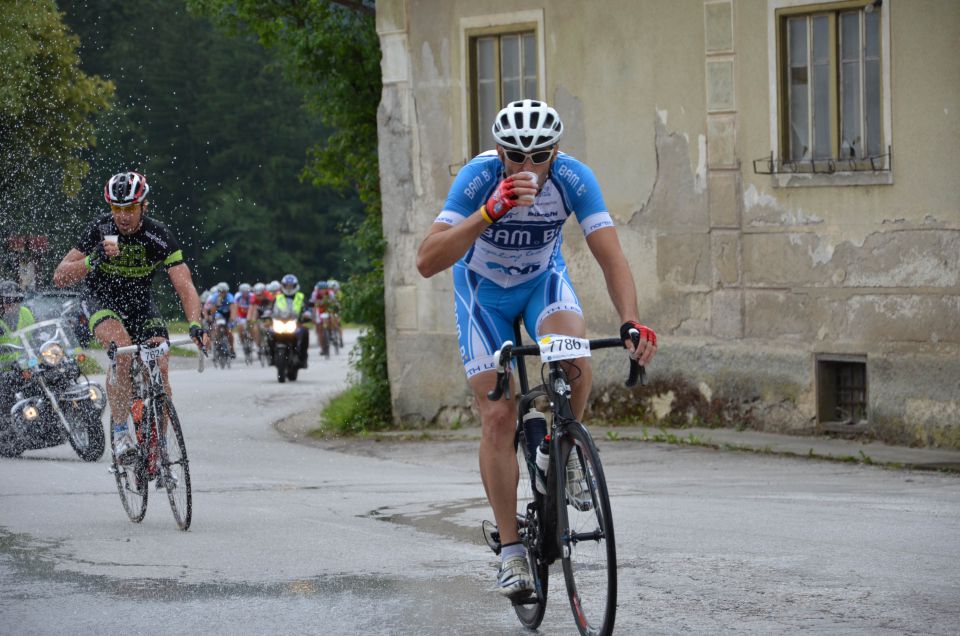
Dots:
{"x": 468, "y": 28}
{"x": 840, "y": 178}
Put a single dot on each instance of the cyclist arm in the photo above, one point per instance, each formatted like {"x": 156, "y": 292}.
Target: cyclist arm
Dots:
{"x": 445, "y": 244}
{"x": 71, "y": 269}
{"x": 183, "y": 284}
{"x": 605, "y": 247}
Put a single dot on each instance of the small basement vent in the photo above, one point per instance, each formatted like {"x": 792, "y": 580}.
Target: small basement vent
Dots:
{"x": 841, "y": 391}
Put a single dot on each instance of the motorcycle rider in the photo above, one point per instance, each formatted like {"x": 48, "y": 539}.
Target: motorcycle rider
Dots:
{"x": 290, "y": 301}
{"x": 13, "y": 317}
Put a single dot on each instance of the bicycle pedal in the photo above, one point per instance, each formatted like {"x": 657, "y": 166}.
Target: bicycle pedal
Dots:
{"x": 526, "y": 598}
{"x": 491, "y": 534}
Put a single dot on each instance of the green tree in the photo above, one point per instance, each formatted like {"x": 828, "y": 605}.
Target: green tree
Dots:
{"x": 47, "y": 108}
{"x": 331, "y": 50}
{"x": 221, "y": 136}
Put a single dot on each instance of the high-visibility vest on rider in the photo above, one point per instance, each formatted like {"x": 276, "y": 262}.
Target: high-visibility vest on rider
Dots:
{"x": 281, "y": 307}
{"x": 24, "y": 319}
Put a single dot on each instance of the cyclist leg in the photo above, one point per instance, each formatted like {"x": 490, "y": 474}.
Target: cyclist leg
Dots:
{"x": 555, "y": 309}
{"x": 485, "y": 313}
{"x": 107, "y": 327}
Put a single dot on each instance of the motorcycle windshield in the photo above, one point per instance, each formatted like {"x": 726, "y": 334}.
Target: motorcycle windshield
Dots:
{"x": 48, "y": 341}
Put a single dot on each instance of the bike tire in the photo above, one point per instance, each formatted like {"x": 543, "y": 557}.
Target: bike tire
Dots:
{"x": 530, "y": 611}
{"x": 132, "y": 484}
{"x": 175, "y": 466}
{"x": 325, "y": 344}
{"x": 282, "y": 366}
{"x": 588, "y": 546}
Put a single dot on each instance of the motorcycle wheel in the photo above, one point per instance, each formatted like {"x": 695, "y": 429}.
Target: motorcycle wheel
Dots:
{"x": 292, "y": 372}
{"x": 88, "y": 439}
{"x": 281, "y": 366}
{"x": 10, "y": 444}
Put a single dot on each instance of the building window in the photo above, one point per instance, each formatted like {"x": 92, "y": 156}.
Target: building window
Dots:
{"x": 841, "y": 391}
{"x": 831, "y": 97}
{"x": 503, "y": 68}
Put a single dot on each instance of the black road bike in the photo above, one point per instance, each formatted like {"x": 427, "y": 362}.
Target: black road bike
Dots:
{"x": 572, "y": 521}
{"x": 161, "y": 452}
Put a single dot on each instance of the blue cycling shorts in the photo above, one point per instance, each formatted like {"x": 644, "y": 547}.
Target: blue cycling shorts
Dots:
{"x": 486, "y": 311}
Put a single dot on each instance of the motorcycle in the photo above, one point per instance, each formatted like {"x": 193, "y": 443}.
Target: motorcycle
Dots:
{"x": 53, "y": 404}
{"x": 284, "y": 333}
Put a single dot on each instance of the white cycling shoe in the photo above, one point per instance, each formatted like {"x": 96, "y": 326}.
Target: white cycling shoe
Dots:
{"x": 578, "y": 492}
{"x": 124, "y": 450}
{"x": 514, "y": 580}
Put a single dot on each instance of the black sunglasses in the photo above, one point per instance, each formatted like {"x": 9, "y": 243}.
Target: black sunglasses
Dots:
{"x": 538, "y": 157}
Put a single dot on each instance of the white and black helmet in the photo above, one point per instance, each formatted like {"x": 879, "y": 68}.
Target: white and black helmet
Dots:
{"x": 527, "y": 125}
{"x": 126, "y": 188}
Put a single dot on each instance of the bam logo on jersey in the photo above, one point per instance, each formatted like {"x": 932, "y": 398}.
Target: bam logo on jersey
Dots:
{"x": 520, "y": 235}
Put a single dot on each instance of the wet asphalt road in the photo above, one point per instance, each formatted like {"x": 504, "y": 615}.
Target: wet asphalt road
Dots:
{"x": 383, "y": 537}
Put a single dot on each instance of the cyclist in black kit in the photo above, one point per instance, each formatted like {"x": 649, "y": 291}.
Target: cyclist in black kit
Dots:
{"x": 116, "y": 257}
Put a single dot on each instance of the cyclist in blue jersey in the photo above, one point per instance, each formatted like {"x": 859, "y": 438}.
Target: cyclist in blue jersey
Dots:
{"x": 500, "y": 231}
{"x": 221, "y": 303}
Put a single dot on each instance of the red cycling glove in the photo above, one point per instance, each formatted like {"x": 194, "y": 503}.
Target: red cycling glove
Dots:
{"x": 500, "y": 202}
{"x": 646, "y": 333}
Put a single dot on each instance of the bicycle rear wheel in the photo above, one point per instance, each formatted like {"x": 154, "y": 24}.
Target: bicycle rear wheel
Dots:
{"x": 530, "y": 610}
{"x": 586, "y": 528}
{"x": 132, "y": 483}
{"x": 174, "y": 466}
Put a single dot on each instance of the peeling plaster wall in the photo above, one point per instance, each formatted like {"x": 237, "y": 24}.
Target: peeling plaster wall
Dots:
{"x": 668, "y": 102}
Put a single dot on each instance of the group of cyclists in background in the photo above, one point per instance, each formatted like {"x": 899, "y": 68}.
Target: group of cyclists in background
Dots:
{"x": 244, "y": 316}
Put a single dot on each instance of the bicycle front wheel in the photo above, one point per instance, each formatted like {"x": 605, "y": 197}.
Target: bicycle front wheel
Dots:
{"x": 132, "y": 482}
{"x": 586, "y": 532}
{"x": 174, "y": 466}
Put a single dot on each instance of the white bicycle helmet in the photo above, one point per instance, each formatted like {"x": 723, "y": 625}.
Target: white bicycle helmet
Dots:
{"x": 273, "y": 286}
{"x": 126, "y": 188}
{"x": 259, "y": 288}
{"x": 244, "y": 288}
{"x": 527, "y": 125}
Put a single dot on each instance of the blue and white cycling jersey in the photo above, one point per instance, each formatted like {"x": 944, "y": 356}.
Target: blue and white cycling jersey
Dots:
{"x": 522, "y": 244}
{"x": 222, "y": 306}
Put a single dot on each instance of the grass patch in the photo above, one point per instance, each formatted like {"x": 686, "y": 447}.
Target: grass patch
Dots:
{"x": 350, "y": 413}
{"x": 183, "y": 352}
{"x": 178, "y": 327}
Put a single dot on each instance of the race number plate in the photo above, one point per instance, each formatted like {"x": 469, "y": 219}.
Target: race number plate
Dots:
{"x": 154, "y": 353}
{"x": 553, "y": 348}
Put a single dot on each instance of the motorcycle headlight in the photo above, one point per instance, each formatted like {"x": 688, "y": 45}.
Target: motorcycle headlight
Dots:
{"x": 51, "y": 354}
{"x": 284, "y": 326}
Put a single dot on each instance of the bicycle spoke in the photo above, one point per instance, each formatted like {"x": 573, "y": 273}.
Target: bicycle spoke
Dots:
{"x": 589, "y": 553}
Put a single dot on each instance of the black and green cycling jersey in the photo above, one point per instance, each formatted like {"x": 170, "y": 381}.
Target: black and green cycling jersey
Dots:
{"x": 127, "y": 278}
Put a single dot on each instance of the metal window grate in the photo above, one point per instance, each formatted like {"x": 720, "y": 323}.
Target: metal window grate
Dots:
{"x": 772, "y": 165}
{"x": 841, "y": 390}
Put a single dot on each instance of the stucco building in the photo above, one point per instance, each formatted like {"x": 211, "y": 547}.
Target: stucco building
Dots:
{"x": 781, "y": 172}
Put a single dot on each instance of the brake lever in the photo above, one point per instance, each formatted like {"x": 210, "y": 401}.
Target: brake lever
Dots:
{"x": 502, "y": 387}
